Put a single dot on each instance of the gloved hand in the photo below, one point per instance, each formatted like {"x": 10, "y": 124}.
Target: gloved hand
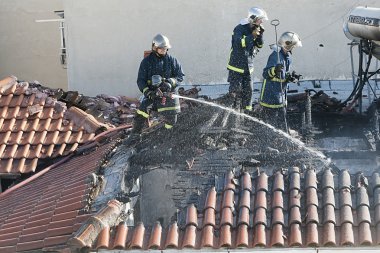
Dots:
{"x": 151, "y": 94}
{"x": 278, "y": 70}
{"x": 293, "y": 77}
{"x": 261, "y": 30}
{"x": 172, "y": 81}
{"x": 165, "y": 87}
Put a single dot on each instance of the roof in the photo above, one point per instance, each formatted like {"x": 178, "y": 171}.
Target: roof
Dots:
{"x": 292, "y": 208}
{"x": 34, "y": 126}
{"x": 45, "y": 210}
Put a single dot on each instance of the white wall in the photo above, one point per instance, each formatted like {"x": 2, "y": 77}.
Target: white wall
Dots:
{"x": 106, "y": 38}
{"x": 31, "y": 50}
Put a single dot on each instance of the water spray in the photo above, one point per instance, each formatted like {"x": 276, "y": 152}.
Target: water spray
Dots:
{"x": 286, "y": 135}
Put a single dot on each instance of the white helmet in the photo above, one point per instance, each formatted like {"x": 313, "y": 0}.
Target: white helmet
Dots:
{"x": 161, "y": 41}
{"x": 289, "y": 40}
{"x": 255, "y": 14}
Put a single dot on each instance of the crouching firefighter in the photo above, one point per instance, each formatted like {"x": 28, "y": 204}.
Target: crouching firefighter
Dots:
{"x": 247, "y": 38}
{"x": 276, "y": 79}
{"x": 159, "y": 74}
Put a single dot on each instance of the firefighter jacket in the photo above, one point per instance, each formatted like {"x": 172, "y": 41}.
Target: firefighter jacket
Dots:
{"x": 273, "y": 90}
{"x": 243, "y": 49}
{"x": 166, "y": 66}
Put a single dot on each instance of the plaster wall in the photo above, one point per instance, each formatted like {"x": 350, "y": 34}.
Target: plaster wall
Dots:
{"x": 30, "y": 50}
{"x": 106, "y": 40}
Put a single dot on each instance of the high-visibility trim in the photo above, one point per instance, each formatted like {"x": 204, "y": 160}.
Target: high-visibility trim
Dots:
{"x": 251, "y": 70}
{"x": 272, "y": 72}
{"x": 169, "y": 108}
{"x": 235, "y": 69}
{"x": 174, "y": 81}
{"x": 145, "y": 89}
{"x": 142, "y": 113}
{"x": 271, "y": 106}
{"x": 248, "y": 107}
{"x": 275, "y": 79}
{"x": 167, "y": 126}
{"x": 243, "y": 41}
{"x": 260, "y": 46}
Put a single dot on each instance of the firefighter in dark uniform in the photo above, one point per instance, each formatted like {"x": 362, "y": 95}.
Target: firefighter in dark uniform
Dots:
{"x": 159, "y": 74}
{"x": 247, "y": 37}
{"x": 276, "y": 79}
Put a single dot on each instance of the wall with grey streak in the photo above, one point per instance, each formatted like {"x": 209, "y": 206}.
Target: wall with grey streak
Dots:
{"x": 106, "y": 40}
{"x": 30, "y": 50}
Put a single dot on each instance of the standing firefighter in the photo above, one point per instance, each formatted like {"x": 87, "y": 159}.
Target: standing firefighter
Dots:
{"x": 247, "y": 37}
{"x": 159, "y": 75}
{"x": 276, "y": 78}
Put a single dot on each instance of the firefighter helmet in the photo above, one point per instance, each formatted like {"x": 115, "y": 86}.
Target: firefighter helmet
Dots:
{"x": 255, "y": 14}
{"x": 161, "y": 41}
{"x": 289, "y": 40}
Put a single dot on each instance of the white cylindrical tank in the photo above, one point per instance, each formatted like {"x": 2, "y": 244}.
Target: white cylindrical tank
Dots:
{"x": 364, "y": 22}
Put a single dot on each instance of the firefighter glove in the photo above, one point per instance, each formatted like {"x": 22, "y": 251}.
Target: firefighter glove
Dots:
{"x": 165, "y": 87}
{"x": 172, "y": 81}
{"x": 278, "y": 70}
{"x": 151, "y": 94}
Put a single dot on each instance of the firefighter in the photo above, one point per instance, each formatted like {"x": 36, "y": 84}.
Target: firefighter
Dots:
{"x": 247, "y": 38}
{"x": 276, "y": 79}
{"x": 159, "y": 74}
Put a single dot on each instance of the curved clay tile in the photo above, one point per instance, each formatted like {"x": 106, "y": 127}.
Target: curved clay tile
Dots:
{"x": 327, "y": 179}
{"x": 211, "y": 199}
{"x": 121, "y": 236}
{"x": 328, "y": 197}
{"x": 243, "y": 216}
{"x": 246, "y": 182}
{"x": 228, "y": 183}
{"x": 295, "y": 215}
{"x": 191, "y": 215}
{"x": 365, "y": 237}
{"x": 311, "y": 196}
{"x": 311, "y": 179}
{"x": 346, "y": 234}
{"x": 262, "y": 182}
{"x": 228, "y": 199}
{"x": 172, "y": 237}
{"x": 260, "y": 216}
{"x": 242, "y": 236}
{"x": 245, "y": 199}
{"x": 295, "y": 198}
{"x": 261, "y": 200}
{"x": 209, "y": 217}
{"x": 225, "y": 237}
{"x": 207, "y": 236}
{"x": 277, "y": 199}
{"x": 259, "y": 237}
{"x": 278, "y": 184}
{"x": 312, "y": 214}
{"x": 312, "y": 234}
{"x": 103, "y": 238}
{"x": 277, "y": 236}
{"x": 295, "y": 235}
{"x": 329, "y": 214}
{"x": 155, "y": 236}
{"x": 344, "y": 180}
{"x": 137, "y": 241}
{"x": 189, "y": 238}
{"x": 295, "y": 179}
{"x": 329, "y": 234}
{"x": 277, "y": 216}
{"x": 227, "y": 217}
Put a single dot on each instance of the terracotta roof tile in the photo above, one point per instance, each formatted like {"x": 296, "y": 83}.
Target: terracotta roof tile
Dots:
{"x": 45, "y": 211}
{"x": 31, "y": 127}
{"x": 312, "y": 221}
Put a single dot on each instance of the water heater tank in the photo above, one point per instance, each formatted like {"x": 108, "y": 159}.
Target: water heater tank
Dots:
{"x": 364, "y": 23}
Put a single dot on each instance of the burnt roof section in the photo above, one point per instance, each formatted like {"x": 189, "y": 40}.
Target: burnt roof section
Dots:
{"x": 35, "y": 127}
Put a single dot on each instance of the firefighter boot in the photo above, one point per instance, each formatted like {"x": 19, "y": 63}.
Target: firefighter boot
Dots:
{"x": 135, "y": 135}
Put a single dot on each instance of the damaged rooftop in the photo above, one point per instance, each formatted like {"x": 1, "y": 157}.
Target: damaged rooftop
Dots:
{"x": 219, "y": 179}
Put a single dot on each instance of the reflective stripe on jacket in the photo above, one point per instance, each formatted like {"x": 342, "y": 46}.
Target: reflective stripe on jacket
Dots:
{"x": 273, "y": 90}
{"x": 242, "y": 49}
